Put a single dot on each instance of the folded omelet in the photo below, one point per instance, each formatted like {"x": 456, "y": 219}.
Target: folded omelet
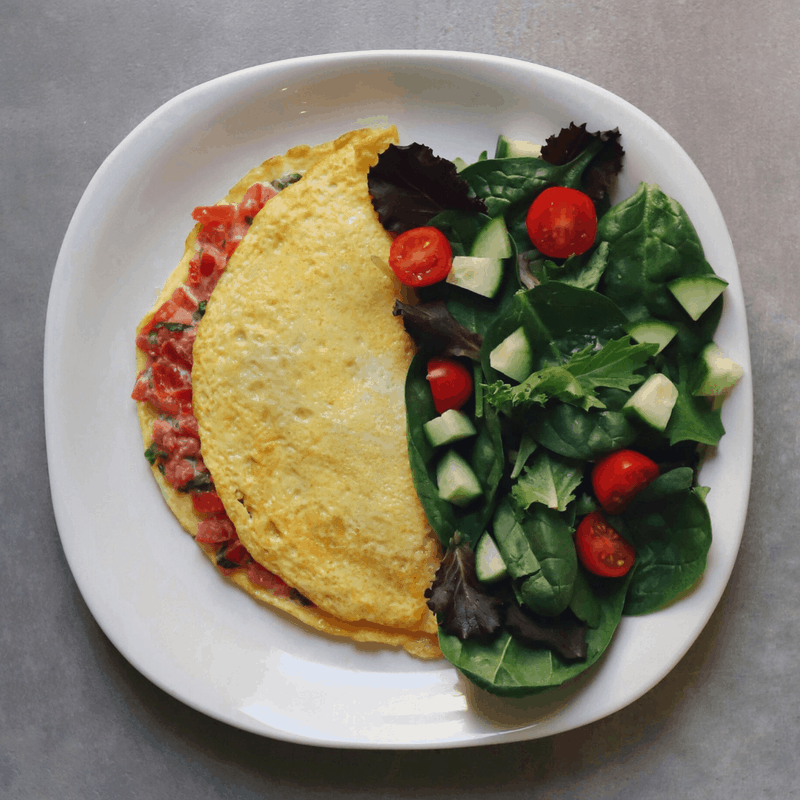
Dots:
{"x": 298, "y": 376}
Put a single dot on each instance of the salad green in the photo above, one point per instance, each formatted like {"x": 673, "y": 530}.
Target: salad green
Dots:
{"x": 573, "y": 359}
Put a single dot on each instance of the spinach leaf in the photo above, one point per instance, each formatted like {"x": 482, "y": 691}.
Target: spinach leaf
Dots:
{"x": 538, "y": 551}
{"x": 574, "y": 433}
{"x": 583, "y": 271}
{"x": 651, "y": 242}
{"x": 584, "y": 604}
{"x": 672, "y": 541}
{"x": 507, "y": 667}
{"x": 676, "y": 480}
{"x": 693, "y": 419}
{"x": 484, "y": 453}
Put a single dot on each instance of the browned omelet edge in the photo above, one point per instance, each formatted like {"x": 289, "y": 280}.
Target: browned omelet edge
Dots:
{"x": 419, "y": 644}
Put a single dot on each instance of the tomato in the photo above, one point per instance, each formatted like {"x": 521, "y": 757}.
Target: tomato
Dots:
{"x": 601, "y": 549}
{"x": 207, "y": 502}
{"x": 221, "y": 214}
{"x": 421, "y": 257}
{"x": 619, "y": 477}
{"x": 562, "y": 222}
{"x": 235, "y": 553}
{"x": 451, "y": 383}
{"x": 215, "y": 530}
{"x": 253, "y": 201}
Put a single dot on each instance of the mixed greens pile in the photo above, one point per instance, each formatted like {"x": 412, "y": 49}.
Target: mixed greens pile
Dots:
{"x": 545, "y": 618}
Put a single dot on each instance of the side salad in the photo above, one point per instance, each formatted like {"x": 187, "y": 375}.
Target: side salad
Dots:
{"x": 565, "y": 387}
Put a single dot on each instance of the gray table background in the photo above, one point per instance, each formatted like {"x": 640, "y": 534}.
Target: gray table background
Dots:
{"x": 76, "y": 720}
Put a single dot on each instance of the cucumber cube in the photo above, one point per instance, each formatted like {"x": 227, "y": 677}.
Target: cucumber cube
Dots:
{"x": 513, "y": 356}
{"x": 510, "y": 148}
{"x": 452, "y": 426}
{"x": 652, "y": 331}
{"x": 456, "y": 480}
{"x": 653, "y": 402}
{"x": 482, "y": 276}
{"x": 697, "y": 293}
{"x": 489, "y": 564}
{"x": 492, "y": 240}
{"x": 718, "y": 373}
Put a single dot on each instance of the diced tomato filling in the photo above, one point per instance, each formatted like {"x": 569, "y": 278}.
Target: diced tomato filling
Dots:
{"x": 264, "y": 578}
{"x": 215, "y": 530}
{"x": 207, "y": 503}
{"x": 166, "y": 381}
{"x": 222, "y": 214}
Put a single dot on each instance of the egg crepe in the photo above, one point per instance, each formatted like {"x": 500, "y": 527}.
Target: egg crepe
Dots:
{"x": 298, "y": 378}
{"x": 416, "y": 632}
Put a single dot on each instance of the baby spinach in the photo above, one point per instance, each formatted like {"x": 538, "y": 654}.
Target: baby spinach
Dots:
{"x": 572, "y": 432}
{"x": 583, "y": 271}
{"x": 676, "y": 480}
{"x": 537, "y": 548}
{"x": 672, "y": 541}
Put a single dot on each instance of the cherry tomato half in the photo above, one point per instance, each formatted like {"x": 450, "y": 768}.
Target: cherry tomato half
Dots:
{"x": 601, "y": 549}
{"x": 562, "y": 222}
{"x": 620, "y": 476}
{"x": 451, "y": 383}
{"x": 421, "y": 256}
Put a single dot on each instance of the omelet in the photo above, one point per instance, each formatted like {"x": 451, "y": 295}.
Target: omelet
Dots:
{"x": 297, "y": 382}
{"x": 298, "y": 391}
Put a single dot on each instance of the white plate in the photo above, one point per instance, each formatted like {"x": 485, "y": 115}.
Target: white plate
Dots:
{"x": 148, "y": 586}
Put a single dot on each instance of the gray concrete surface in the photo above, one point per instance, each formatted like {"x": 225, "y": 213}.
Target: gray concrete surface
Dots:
{"x": 76, "y": 720}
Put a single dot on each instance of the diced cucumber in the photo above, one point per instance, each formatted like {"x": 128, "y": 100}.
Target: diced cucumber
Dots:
{"x": 510, "y": 148}
{"x": 718, "y": 374}
{"x": 513, "y": 356}
{"x": 456, "y": 480}
{"x": 653, "y": 402}
{"x": 697, "y": 292}
{"x": 477, "y": 274}
{"x": 652, "y": 331}
{"x": 450, "y": 427}
{"x": 489, "y": 564}
{"x": 492, "y": 240}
